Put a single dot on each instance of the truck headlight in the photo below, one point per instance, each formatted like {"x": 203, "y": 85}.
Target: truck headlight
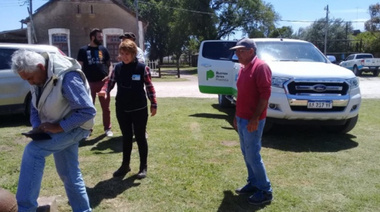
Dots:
{"x": 279, "y": 81}
{"x": 353, "y": 82}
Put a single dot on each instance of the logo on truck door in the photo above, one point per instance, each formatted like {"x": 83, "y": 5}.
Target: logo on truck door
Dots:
{"x": 219, "y": 76}
{"x": 209, "y": 74}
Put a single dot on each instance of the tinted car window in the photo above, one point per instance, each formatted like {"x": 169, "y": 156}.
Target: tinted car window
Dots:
{"x": 361, "y": 56}
{"x": 218, "y": 50}
{"x": 5, "y": 58}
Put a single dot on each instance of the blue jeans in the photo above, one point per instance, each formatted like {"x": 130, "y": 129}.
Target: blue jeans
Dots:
{"x": 250, "y": 144}
{"x": 64, "y": 146}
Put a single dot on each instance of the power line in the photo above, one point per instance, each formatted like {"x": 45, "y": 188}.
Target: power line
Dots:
{"x": 305, "y": 21}
{"x": 180, "y": 9}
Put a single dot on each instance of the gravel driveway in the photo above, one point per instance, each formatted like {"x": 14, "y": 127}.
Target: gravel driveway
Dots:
{"x": 369, "y": 85}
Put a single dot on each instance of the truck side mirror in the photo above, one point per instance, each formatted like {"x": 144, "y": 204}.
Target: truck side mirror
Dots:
{"x": 235, "y": 58}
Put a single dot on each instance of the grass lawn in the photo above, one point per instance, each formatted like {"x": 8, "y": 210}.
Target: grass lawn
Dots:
{"x": 195, "y": 163}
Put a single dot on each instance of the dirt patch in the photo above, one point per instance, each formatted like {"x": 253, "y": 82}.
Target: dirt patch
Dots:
{"x": 230, "y": 143}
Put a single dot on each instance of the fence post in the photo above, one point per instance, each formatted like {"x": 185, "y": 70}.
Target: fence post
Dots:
{"x": 159, "y": 71}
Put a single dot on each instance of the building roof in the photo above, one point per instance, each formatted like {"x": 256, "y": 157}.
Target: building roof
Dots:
{"x": 40, "y": 9}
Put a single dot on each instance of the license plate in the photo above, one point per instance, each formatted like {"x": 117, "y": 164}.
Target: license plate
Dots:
{"x": 319, "y": 104}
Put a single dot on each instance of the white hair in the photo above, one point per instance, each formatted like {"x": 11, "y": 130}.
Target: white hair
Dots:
{"x": 26, "y": 61}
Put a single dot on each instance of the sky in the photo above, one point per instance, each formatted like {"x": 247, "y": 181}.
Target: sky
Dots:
{"x": 294, "y": 13}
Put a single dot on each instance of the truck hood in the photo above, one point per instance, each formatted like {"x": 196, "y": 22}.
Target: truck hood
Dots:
{"x": 315, "y": 70}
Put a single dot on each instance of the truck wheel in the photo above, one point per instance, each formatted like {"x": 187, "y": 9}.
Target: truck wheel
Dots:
{"x": 223, "y": 101}
{"x": 348, "y": 126}
{"x": 376, "y": 73}
{"x": 356, "y": 71}
{"x": 268, "y": 126}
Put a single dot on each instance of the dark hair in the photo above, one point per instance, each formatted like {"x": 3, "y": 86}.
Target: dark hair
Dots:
{"x": 94, "y": 31}
{"x": 128, "y": 35}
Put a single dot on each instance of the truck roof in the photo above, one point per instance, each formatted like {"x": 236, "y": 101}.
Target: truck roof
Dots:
{"x": 278, "y": 39}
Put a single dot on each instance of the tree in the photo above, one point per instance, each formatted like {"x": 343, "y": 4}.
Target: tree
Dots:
{"x": 369, "y": 42}
{"x": 172, "y": 24}
{"x": 158, "y": 17}
{"x": 337, "y": 37}
{"x": 253, "y": 17}
{"x": 374, "y": 23}
{"x": 283, "y": 32}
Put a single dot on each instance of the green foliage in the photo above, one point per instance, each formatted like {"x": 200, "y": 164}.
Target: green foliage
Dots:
{"x": 373, "y": 24}
{"x": 337, "y": 36}
{"x": 255, "y": 17}
{"x": 283, "y": 32}
{"x": 369, "y": 42}
{"x": 178, "y": 26}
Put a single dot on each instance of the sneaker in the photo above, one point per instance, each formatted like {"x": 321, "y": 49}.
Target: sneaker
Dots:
{"x": 247, "y": 189}
{"x": 108, "y": 133}
{"x": 260, "y": 198}
{"x": 141, "y": 174}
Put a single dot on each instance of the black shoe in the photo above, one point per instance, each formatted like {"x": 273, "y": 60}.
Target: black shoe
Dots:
{"x": 122, "y": 171}
{"x": 141, "y": 174}
{"x": 247, "y": 189}
{"x": 260, "y": 198}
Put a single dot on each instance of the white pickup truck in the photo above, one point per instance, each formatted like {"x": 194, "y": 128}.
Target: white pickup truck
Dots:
{"x": 362, "y": 62}
{"x": 306, "y": 87}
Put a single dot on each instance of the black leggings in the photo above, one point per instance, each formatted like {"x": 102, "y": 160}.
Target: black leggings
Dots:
{"x": 134, "y": 123}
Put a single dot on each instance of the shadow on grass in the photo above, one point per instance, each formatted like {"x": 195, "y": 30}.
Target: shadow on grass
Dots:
{"x": 91, "y": 141}
{"x": 228, "y": 116}
{"x": 109, "y": 189}
{"x": 237, "y": 203}
{"x": 294, "y": 138}
{"x": 309, "y": 138}
{"x": 115, "y": 144}
{"x": 15, "y": 120}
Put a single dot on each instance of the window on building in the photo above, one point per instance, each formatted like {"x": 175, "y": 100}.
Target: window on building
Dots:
{"x": 113, "y": 42}
{"x": 60, "y": 41}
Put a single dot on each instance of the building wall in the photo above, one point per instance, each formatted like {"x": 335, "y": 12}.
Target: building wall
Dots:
{"x": 78, "y": 18}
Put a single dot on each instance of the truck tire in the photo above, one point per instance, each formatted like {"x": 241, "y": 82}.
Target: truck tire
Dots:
{"x": 356, "y": 71}
{"x": 348, "y": 126}
{"x": 376, "y": 73}
{"x": 268, "y": 126}
{"x": 224, "y": 102}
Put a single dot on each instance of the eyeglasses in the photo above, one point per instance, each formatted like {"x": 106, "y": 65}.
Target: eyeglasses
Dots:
{"x": 241, "y": 50}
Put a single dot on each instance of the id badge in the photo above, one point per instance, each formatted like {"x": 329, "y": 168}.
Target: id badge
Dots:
{"x": 136, "y": 77}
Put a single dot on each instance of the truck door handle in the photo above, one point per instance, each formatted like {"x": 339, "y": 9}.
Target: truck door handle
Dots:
{"x": 206, "y": 65}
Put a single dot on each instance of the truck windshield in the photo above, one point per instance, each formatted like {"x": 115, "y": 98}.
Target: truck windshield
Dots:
{"x": 289, "y": 51}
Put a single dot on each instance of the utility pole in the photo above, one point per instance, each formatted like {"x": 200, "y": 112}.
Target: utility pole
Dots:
{"x": 137, "y": 22}
{"x": 326, "y": 28}
{"x": 31, "y": 5}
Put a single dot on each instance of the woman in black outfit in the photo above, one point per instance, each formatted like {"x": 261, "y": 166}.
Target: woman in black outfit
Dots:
{"x": 131, "y": 104}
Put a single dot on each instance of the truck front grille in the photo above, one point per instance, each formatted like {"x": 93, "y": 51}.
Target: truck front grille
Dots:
{"x": 300, "y": 92}
{"x": 322, "y": 88}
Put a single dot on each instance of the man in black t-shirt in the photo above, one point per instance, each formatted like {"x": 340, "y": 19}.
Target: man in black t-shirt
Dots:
{"x": 95, "y": 61}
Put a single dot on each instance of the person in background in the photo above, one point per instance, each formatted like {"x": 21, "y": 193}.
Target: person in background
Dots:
{"x": 95, "y": 61}
{"x": 253, "y": 92}
{"x": 130, "y": 36}
{"x": 131, "y": 104}
{"x": 61, "y": 107}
